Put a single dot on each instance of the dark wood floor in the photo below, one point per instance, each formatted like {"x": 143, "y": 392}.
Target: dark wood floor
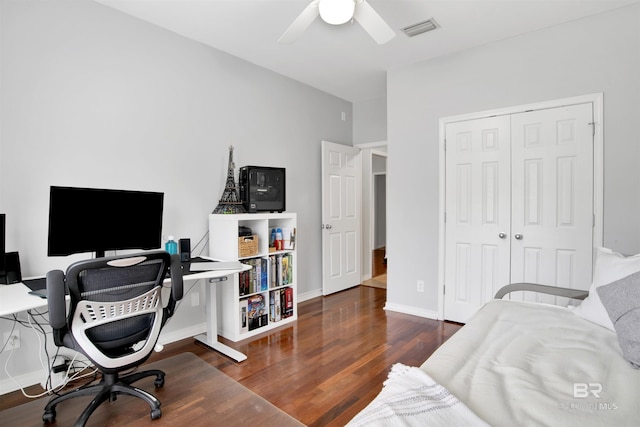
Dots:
{"x": 328, "y": 365}
{"x": 378, "y": 269}
{"x": 379, "y": 263}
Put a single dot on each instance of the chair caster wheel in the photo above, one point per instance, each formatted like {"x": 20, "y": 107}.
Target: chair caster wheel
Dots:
{"x": 159, "y": 382}
{"x": 49, "y": 416}
{"x": 156, "y": 413}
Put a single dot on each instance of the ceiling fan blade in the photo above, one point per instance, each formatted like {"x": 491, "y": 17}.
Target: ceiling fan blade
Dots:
{"x": 301, "y": 23}
{"x": 372, "y": 23}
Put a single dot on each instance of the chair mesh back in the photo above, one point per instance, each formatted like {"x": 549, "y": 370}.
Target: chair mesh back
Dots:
{"x": 113, "y": 284}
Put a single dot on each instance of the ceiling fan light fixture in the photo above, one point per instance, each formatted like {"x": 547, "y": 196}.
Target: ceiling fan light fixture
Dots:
{"x": 336, "y": 12}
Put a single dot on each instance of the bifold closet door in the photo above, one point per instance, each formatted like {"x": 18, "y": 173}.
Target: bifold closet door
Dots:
{"x": 552, "y": 197}
{"x": 518, "y": 205}
{"x": 478, "y": 210}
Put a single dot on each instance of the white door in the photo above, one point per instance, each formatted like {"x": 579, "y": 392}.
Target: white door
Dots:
{"x": 552, "y": 198}
{"x": 478, "y": 211}
{"x": 341, "y": 217}
{"x": 519, "y": 204}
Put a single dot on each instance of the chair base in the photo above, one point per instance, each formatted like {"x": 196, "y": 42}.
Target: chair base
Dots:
{"x": 108, "y": 388}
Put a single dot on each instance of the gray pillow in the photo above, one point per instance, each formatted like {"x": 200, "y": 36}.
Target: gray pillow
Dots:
{"x": 622, "y": 301}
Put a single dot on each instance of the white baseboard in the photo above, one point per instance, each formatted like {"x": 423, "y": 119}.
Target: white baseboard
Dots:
{"x": 309, "y": 295}
{"x": 406, "y": 309}
{"x": 180, "y": 334}
{"x": 24, "y": 380}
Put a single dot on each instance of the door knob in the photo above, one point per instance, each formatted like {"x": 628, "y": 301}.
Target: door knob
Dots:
{"x": 328, "y": 226}
{"x": 518, "y": 236}
{"x": 502, "y": 235}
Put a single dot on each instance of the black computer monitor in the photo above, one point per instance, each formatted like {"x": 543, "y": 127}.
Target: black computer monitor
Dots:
{"x": 97, "y": 220}
{"x": 3, "y": 257}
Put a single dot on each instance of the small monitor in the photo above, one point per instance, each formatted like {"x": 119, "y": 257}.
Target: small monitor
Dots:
{"x": 98, "y": 220}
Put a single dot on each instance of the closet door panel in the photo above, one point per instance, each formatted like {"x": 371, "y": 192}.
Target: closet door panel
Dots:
{"x": 552, "y": 196}
{"x": 478, "y": 211}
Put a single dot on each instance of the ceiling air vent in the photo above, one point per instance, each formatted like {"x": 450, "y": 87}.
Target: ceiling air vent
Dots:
{"x": 421, "y": 27}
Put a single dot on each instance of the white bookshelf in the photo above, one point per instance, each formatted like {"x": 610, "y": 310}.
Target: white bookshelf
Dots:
{"x": 223, "y": 245}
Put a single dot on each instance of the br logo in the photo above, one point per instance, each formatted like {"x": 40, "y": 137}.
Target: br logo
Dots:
{"x": 583, "y": 390}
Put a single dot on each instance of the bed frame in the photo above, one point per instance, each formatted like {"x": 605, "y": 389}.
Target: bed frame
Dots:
{"x": 543, "y": 289}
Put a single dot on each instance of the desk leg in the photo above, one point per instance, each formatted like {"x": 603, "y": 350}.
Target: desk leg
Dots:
{"x": 210, "y": 339}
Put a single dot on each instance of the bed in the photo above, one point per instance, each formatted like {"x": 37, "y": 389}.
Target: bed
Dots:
{"x": 524, "y": 363}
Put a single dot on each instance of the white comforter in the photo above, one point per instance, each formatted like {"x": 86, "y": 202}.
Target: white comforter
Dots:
{"x": 524, "y": 364}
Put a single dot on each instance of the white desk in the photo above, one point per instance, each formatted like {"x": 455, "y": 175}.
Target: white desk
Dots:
{"x": 210, "y": 338}
{"x": 15, "y": 298}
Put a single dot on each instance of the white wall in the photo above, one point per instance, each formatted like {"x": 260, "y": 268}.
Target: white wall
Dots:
{"x": 93, "y": 97}
{"x": 596, "y": 54}
{"x": 370, "y": 121}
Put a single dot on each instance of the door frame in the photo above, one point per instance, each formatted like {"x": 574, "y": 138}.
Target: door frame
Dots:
{"x": 375, "y": 209}
{"x": 596, "y": 99}
{"x": 372, "y": 208}
{"x": 368, "y": 150}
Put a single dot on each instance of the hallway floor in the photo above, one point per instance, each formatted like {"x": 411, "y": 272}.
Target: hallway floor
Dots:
{"x": 379, "y": 270}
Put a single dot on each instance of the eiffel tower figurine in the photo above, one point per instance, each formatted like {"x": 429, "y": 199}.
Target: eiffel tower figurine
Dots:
{"x": 230, "y": 203}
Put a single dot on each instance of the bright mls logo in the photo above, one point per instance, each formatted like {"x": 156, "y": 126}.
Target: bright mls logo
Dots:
{"x": 584, "y": 390}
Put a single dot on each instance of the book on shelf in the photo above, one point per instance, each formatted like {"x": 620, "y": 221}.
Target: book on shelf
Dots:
{"x": 264, "y": 274}
{"x": 244, "y": 316}
{"x": 278, "y": 270}
{"x": 256, "y": 312}
{"x": 280, "y": 304}
{"x": 281, "y": 270}
{"x": 256, "y": 279}
{"x": 288, "y": 302}
{"x": 257, "y": 273}
{"x": 275, "y": 306}
{"x": 272, "y": 271}
{"x": 285, "y": 268}
{"x": 274, "y": 268}
{"x": 243, "y": 282}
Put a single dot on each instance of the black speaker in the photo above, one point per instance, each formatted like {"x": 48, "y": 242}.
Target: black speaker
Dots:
{"x": 12, "y": 272}
{"x": 185, "y": 249}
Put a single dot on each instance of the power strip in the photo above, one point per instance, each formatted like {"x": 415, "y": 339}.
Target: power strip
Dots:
{"x": 59, "y": 366}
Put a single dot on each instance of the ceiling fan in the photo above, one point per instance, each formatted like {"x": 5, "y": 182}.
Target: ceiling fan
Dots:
{"x": 338, "y": 12}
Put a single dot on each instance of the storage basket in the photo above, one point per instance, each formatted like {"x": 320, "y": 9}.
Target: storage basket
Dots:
{"x": 247, "y": 246}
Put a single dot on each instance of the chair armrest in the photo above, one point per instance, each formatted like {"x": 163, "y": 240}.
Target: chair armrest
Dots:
{"x": 175, "y": 270}
{"x": 176, "y": 277}
{"x": 56, "y": 299}
{"x": 543, "y": 289}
